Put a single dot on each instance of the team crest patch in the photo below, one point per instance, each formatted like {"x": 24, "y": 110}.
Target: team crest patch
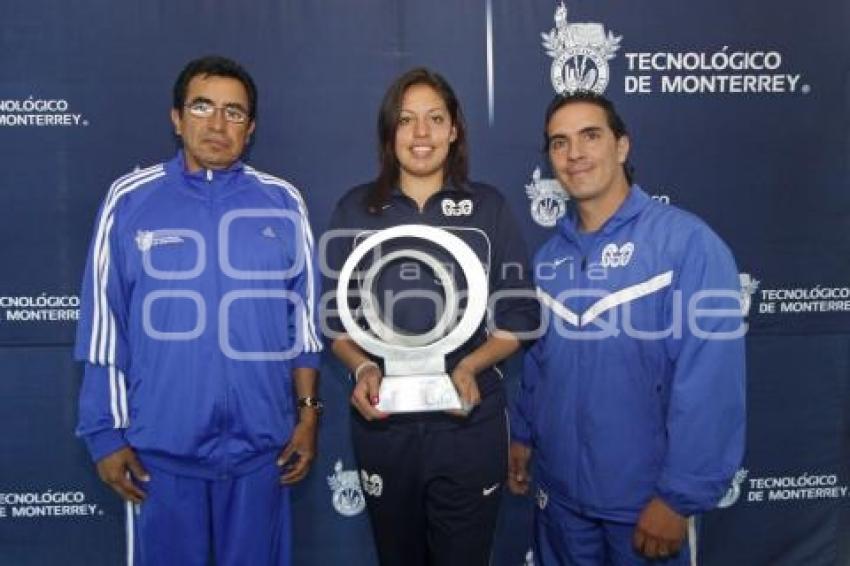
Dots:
{"x": 581, "y": 53}
{"x": 459, "y": 208}
{"x": 548, "y": 199}
{"x": 372, "y": 484}
{"x": 347, "y": 499}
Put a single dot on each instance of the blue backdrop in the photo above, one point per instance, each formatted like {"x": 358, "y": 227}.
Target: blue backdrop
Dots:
{"x": 738, "y": 112}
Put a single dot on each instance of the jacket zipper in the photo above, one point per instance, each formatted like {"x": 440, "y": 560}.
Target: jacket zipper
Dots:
{"x": 584, "y": 285}
{"x": 225, "y": 418}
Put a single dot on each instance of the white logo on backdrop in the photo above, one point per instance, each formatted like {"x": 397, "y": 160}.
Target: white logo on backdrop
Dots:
{"x": 373, "y": 484}
{"x": 347, "y": 497}
{"x": 542, "y": 498}
{"x": 548, "y": 199}
{"x": 734, "y": 491}
{"x": 748, "y": 288}
{"x": 581, "y": 52}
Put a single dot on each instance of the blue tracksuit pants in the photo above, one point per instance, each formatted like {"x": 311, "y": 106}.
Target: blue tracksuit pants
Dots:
{"x": 187, "y": 521}
{"x": 563, "y": 537}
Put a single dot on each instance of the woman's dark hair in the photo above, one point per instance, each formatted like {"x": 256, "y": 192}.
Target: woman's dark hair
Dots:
{"x": 456, "y": 168}
{"x": 615, "y": 122}
{"x": 214, "y": 66}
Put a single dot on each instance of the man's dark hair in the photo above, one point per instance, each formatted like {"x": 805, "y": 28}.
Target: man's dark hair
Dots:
{"x": 615, "y": 122}
{"x": 214, "y": 66}
{"x": 456, "y": 169}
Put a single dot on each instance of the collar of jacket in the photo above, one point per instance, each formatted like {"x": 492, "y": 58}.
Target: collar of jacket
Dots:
{"x": 634, "y": 204}
{"x": 205, "y": 179}
{"x": 445, "y": 189}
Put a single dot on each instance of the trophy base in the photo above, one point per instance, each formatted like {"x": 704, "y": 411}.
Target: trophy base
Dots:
{"x": 417, "y": 394}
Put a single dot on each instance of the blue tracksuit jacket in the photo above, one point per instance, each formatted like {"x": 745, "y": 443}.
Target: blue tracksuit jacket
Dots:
{"x": 635, "y": 390}
{"x": 198, "y": 300}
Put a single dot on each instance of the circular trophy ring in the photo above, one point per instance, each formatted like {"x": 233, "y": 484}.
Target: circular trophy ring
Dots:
{"x": 473, "y": 271}
{"x": 391, "y": 335}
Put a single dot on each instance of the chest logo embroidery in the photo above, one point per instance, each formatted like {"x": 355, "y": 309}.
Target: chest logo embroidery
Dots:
{"x": 459, "y": 208}
{"x": 146, "y": 239}
{"x": 612, "y": 256}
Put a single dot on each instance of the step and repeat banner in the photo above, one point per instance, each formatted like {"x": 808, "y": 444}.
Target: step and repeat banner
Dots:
{"x": 738, "y": 111}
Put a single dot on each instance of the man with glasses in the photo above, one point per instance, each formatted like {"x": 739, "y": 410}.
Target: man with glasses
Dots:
{"x": 198, "y": 332}
{"x": 632, "y": 402}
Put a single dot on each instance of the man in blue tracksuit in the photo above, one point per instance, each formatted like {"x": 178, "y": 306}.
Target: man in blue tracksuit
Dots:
{"x": 632, "y": 403}
{"x": 198, "y": 333}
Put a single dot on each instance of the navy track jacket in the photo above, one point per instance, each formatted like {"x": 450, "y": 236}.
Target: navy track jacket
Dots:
{"x": 637, "y": 388}
{"x": 197, "y": 302}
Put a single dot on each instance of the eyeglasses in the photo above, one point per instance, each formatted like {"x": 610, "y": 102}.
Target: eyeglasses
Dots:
{"x": 204, "y": 109}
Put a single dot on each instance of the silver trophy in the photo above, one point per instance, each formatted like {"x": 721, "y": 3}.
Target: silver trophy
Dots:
{"x": 415, "y": 377}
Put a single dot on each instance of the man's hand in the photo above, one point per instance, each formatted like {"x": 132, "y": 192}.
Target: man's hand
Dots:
{"x": 365, "y": 394}
{"x": 300, "y": 451}
{"x": 660, "y": 530}
{"x": 518, "y": 477}
{"x": 116, "y": 471}
{"x": 467, "y": 388}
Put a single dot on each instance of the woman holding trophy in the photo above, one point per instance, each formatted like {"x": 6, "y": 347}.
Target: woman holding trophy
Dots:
{"x": 433, "y": 469}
